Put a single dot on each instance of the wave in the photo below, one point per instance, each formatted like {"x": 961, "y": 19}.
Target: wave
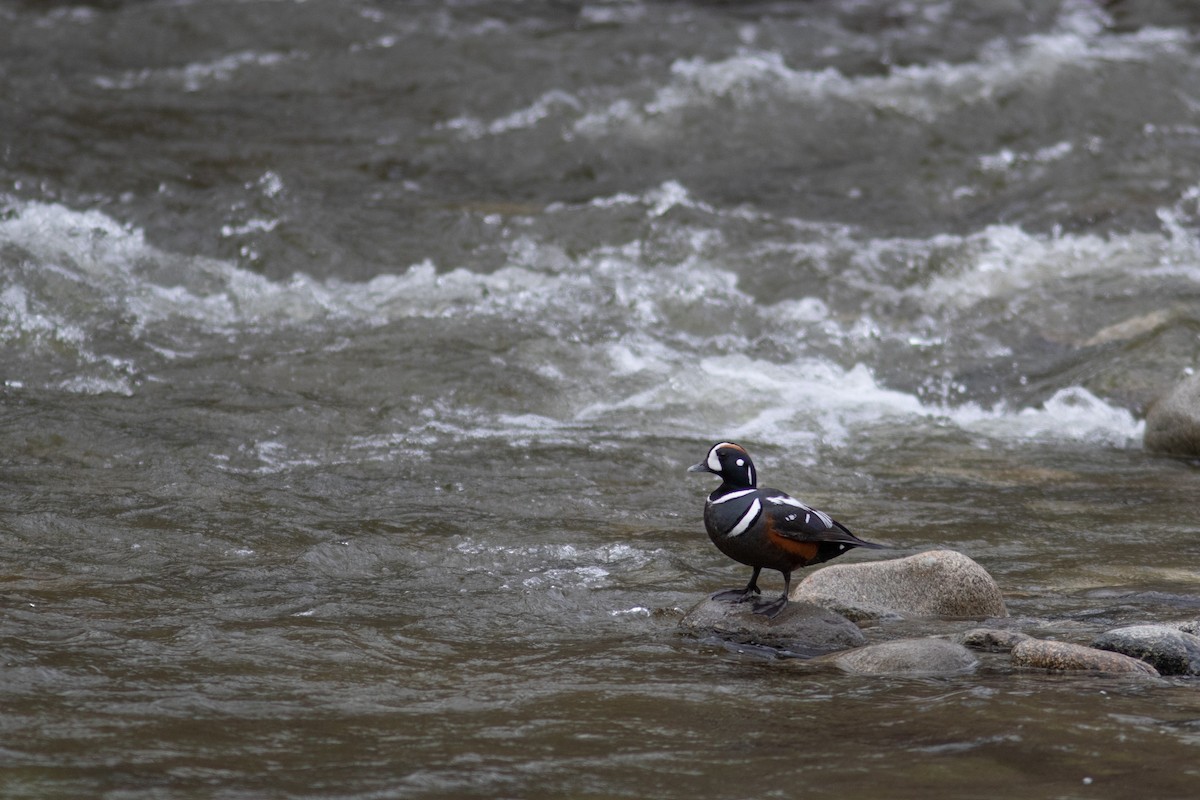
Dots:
{"x": 196, "y": 76}
{"x": 625, "y": 340}
{"x": 811, "y": 402}
{"x": 752, "y": 78}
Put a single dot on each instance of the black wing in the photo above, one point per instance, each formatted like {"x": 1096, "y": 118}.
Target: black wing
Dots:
{"x": 798, "y": 520}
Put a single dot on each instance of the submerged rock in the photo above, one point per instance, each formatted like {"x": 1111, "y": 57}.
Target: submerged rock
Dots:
{"x": 938, "y": 583}
{"x": 907, "y": 657}
{"x": 1173, "y": 422}
{"x": 800, "y": 627}
{"x": 993, "y": 640}
{"x": 1063, "y": 656}
{"x": 1166, "y": 648}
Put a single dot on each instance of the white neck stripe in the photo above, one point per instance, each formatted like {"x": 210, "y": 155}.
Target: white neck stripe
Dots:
{"x": 733, "y": 495}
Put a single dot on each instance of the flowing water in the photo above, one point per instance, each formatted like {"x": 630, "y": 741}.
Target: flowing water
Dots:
{"x": 353, "y": 353}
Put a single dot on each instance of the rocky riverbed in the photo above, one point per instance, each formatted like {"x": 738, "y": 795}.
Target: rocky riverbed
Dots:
{"x": 934, "y": 613}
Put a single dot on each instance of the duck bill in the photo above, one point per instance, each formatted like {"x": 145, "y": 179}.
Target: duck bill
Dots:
{"x": 701, "y": 467}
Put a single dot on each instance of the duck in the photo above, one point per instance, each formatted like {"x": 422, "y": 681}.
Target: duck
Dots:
{"x": 765, "y": 528}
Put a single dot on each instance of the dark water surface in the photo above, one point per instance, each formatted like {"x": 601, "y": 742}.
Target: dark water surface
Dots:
{"x": 352, "y": 354}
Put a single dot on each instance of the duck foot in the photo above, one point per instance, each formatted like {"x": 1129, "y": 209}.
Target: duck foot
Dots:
{"x": 737, "y": 595}
{"x": 741, "y": 595}
{"x": 772, "y": 609}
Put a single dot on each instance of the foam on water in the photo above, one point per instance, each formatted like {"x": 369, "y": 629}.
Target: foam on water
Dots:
{"x": 923, "y": 92}
{"x": 1006, "y": 159}
{"x": 756, "y": 78}
{"x": 113, "y": 265}
{"x": 809, "y": 402}
{"x": 109, "y": 266}
{"x": 1003, "y": 260}
{"x": 197, "y": 76}
{"x": 1071, "y": 413}
{"x": 674, "y": 335}
{"x": 473, "y": 128}
{"x": 556, "y": 565}
{"x": 41, "y": 332}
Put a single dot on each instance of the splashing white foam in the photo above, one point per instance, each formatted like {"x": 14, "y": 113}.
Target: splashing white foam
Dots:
{"x": 922, "y": 91}
{"x": 660, "y": 329}
{"x": 810, "y": 401}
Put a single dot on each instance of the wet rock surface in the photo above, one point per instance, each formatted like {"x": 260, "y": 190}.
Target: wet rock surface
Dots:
{"x": 938, "y": 583}
{"x": 927, "y": 656}
{"x": 802, "y": 628}
{"x": 1067, "y": 657}
{"x": 1168, "y": 649}
{"x": 1173, "y": 421}
{"x": 913, "y": 616}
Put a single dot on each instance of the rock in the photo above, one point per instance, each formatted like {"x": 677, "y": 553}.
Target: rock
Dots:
{"x": 907, "y": 657}
{"x": 1173, "y": 422}
{"x": 1044, "y": 654}
{"x": 1166, "y": 648}
{"x": 800, "y": 627}
{"x": 1191, "y": 626}
{"x": 1132, "y": 328}
{"x": 937, "y": 583}
{"x": 993, "y": 640}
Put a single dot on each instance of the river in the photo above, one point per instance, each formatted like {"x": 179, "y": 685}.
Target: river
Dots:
{"x": 352, "y": 354}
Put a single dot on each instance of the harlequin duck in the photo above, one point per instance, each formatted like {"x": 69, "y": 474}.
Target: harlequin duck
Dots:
{"x": 765, "y": 528}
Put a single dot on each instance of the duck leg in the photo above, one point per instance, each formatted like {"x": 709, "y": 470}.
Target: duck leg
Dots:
{"x": 772, "y": 609}
{"x": 741, "y": 595}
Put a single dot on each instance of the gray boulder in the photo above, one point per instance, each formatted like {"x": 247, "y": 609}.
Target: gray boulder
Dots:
{"x": 1063, "y": 656}
{"x": 937, "y": 583}
{"x": 800, "y": 627}
{"x": 1166, "y": 648}
{"x": 907, "y": 657}
{"x": 1173, "y": 422}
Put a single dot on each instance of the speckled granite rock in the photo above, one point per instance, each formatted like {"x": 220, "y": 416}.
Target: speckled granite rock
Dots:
{"x": 1063, "y": 656}
{"x": 1191, "y": 626}
{"x": 800, "y": 627}
{"x": 1173, "y": 421}
{"x": 938, "y": 583}
{"x": 907, "y": 657}
{"x": 993, "y": 640}
{"x": 1168, "y": 649}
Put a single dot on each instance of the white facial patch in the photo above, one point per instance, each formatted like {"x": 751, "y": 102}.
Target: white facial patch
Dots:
{"x": 713, "y": 462}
